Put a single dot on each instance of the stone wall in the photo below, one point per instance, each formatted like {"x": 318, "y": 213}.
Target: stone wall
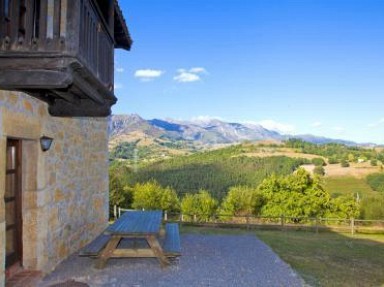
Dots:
{"x": 64, "y": 190}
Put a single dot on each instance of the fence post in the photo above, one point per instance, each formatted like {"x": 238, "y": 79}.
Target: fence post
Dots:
{"x": 115, "y": 211}
{"x": 119, "y": 211}
{"x": 194, "y": 218}
{"x": 165, "y": 215}
{"x": 181, "y": 217}
{"x": 352, "y": 226}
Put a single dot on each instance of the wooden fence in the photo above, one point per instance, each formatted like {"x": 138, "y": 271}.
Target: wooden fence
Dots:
{"x": 282, "y": 222}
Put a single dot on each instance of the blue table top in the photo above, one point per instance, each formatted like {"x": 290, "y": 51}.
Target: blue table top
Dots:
{"x": 136, "y": 223}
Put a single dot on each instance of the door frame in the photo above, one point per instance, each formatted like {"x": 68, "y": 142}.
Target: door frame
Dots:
{"x": 17, "y": 256}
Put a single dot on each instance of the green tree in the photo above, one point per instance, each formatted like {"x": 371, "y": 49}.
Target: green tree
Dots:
{"x": 345, "y": 206}
{"x": 295, "y": 196}
{"x": 202, "y": 205}
{"x": 152, "y": 196}
{"x": 238, "y": 201}
{"x": 119, "y": 192}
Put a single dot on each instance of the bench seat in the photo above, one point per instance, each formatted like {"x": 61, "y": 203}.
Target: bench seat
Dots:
{"x": 94, "y": 248}
{"x": 171, "y": 245}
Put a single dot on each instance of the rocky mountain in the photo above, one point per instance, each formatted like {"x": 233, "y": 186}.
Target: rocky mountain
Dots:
{"x": 203, "y": 133}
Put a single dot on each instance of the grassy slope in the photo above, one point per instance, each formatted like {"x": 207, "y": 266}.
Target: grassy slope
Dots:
{"x": 348, "y": 184}
{"x": 324, "y": 259}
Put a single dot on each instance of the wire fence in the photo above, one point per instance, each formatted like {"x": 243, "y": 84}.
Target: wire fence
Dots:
{"x": 282, "y": 222}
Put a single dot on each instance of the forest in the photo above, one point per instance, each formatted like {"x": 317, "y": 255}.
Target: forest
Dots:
{"x": 229, "y": 181}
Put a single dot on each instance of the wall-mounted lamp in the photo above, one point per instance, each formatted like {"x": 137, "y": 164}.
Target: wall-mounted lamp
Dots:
{"x": 45, "y": 143}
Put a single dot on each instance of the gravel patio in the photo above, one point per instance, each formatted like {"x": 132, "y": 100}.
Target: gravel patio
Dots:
{"x": 207, "y": 260}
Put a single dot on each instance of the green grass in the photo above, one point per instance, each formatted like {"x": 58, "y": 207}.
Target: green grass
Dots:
{"x": 347, "y": 185}
{"x": 331, "y": 259}
{"x": 324, "y": 259}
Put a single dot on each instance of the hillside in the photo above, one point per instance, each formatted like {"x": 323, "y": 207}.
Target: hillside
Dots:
{"x": 149, "y": 140}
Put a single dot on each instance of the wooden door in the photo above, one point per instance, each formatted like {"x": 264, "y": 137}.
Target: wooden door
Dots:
{"x": 12, "y": 199}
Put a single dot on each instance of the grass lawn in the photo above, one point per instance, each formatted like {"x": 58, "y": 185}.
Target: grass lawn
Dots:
{"x": 347, "y": 185}
{"x": 331, "y": 259}
{"x": 323, "y": 259}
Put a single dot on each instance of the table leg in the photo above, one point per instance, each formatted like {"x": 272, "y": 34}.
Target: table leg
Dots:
{"x": 156, "y": 247}
{"x": 107, "y": 252}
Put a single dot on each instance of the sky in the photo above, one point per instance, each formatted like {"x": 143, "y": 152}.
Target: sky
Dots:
{"x": 295, "y": 66}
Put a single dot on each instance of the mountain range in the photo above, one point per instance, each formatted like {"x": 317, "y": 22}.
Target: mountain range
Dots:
{"x": 202, "y": 133}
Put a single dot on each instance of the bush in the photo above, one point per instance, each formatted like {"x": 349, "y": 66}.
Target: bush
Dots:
{"x": 318, "y": 161}
{"x": 152, "y": 196}
{"x": 333, "y": 160}
{"x": 201, "y": 204}
{"x": 319, "y": 170}
{"x": 373, "y": 162}
{"x": 344, "y": 163}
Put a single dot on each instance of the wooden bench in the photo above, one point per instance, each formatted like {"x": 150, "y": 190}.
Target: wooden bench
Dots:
{"x": 171, "y": 245}
{"x": 94, "y": 248}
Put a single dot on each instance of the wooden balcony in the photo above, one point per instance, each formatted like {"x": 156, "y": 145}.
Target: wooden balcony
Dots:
{"x": 61, "y": 51}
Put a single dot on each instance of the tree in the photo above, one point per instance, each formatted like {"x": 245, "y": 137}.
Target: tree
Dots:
{"x": 238, "y": 201}
{"x": 345, "y": 206}
{"x": 119, "y": 192}
{"x": 202, "y": 205}
{"x": 296, "y": 196}
{"x": 152, "y": 196}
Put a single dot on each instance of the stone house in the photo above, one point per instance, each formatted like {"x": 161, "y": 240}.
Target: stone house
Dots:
{"x": 56, "y": 83}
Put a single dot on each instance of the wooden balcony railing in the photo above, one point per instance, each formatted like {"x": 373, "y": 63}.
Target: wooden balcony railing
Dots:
{"x": 35, "y": 27}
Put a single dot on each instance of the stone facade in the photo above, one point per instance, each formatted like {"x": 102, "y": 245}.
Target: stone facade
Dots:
{"x": 64, "y": 190}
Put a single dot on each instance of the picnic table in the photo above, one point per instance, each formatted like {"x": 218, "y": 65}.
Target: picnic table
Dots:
{"x": 138, "y": 225}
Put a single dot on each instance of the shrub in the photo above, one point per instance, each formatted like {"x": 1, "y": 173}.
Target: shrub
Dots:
{"x": 318, "y": 161}
{"x": 344, "y": 163}
{"x": 319, "y": 170}
{"x": 373, "y": 162}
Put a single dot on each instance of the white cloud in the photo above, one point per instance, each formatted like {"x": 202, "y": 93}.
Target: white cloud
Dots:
{"x": 276, "y": 126}
{"x": 188, "y": 76}
{"x": 120, "y": 70}
{"x": 205, "y": 119}
{"x": 198, "y": 70}
{"x": 148, "y": 74}
{"x": 317, "y": 124}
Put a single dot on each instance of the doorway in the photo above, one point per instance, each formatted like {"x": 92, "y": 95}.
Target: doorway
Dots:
{"x": 13, "y": 200}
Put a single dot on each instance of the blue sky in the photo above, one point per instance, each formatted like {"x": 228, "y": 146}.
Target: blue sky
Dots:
{"x": 296, "y": 66}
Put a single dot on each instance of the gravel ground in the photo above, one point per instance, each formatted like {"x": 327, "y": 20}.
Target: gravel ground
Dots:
{"x": 207, "y": 260}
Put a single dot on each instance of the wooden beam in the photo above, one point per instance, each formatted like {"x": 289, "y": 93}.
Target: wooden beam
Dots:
{"x": 137, "y": 253}
{"x": 31, "y": 79}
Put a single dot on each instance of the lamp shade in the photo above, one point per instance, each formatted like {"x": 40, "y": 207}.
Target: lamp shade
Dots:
{"x": 45, "y": 143}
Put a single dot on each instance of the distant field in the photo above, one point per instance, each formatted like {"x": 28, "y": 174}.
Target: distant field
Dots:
{"x": 359, "y": 170}
{"x": 289, "y": 152}
{"x": 347, "y": 184}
